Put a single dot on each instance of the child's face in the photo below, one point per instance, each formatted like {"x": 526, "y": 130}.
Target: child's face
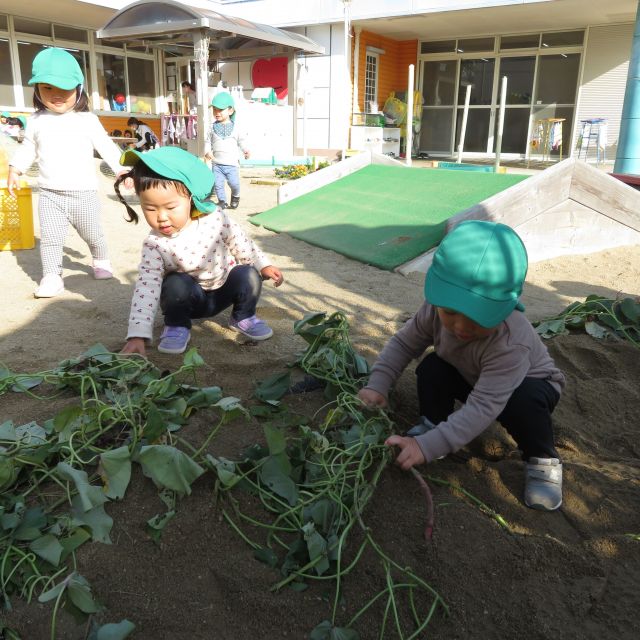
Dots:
{"x": 462, "y": 327}
{"x": 166, "y": 210}
{"x": 222, "y": 115}
{"x": 56, "y": 99}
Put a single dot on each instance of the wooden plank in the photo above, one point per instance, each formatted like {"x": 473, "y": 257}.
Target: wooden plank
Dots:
{"x": 523, "y": 201}
{"x": 608, "y": 196}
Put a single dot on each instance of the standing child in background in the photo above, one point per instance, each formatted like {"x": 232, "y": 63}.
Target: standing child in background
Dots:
{"x": 145, "y": 138}
{"x": 189, "y": 92}
{"x": 223, "y": 148}
{"x": 62, "y": 135}
{"x": 193, "y": 265}
{"x": 486, "y": 355}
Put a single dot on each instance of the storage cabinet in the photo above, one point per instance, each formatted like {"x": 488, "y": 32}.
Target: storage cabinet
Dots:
{"x": 384, "y": 140}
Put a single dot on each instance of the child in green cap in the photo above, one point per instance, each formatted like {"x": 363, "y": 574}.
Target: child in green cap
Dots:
{"x": 223, "y": 147}
{"x": 485, "y": 354}
{"x": 62, "y": 135}
{"x": 196, "y": 261}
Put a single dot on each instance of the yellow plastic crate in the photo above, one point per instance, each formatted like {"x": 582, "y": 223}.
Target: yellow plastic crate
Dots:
{"x": 16, "y": 219}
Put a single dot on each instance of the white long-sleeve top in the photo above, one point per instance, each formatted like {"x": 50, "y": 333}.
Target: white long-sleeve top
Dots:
{"x": 226, "y": 150}
{"x": 63, "y": 145}
{"x": 207, "y": 249}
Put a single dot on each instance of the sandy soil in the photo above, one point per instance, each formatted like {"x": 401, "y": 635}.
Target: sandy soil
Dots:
{"x": 569, "y": 574}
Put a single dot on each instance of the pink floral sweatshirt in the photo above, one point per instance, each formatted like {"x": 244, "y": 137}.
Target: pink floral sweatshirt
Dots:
{"x": 207, "y": 249}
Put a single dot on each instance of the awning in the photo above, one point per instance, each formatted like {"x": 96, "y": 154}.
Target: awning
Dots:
{"x": 170, "y": 25}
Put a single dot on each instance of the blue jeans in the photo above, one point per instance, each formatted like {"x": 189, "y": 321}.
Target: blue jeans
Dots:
{"x": 183, "y": 299}
{"x": 226, "y": 173}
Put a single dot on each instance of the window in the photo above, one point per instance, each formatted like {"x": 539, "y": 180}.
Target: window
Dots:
{"x": 524, "y": 41}
{"x": 371, "y": 83}
{"x": 62, "y": 32}
{"x": 6, "y": 81}
{"x": 111, "y": 82}
{"x": 27, "y": 51}
{"x": 479, "y": 74}
{"x": 563, "y": 39}
{"x": 475, "y": 44}
{"x": 33, "y": 27}
{"x": 442, "y": 46}
{"x": 141, "y": 85}
{"x": 4, "y": 25}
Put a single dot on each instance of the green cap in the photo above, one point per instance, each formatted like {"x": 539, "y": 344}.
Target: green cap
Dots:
{"x": 222, "y": 100}
{"x": 5, "y": 114}
{"x": 478, "y": 270}
{"x": 56, "y": 67}
{"x": 177, "y": 164}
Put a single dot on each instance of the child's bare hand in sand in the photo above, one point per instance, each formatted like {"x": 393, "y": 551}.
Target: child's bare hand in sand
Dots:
{"x": 134, "y": 345}
{"x": 272, "y": 273}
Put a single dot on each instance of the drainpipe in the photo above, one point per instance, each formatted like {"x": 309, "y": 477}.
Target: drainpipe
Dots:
{"x": 628, "y": 153}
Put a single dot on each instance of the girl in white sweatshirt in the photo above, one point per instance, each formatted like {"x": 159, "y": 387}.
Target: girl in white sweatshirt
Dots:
{"x": 61, "y": 136}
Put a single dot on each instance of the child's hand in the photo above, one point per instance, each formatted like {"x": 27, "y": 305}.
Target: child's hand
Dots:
{"x": 128, "y": 182}
{"x": 410, "y": 453}
{"x": 372, "y": 398}
{"x": 13, "y": 181}
{"x": 134, "y": 345}
{"x": 246, "y": 155}
{"x": 208, "y": 157}
{"x": 272, "y": 273}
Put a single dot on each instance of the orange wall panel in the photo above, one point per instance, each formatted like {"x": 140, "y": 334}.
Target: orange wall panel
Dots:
{"x": 393, "y": 65}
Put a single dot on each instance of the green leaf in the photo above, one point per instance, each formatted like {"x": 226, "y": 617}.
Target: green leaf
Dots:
{"x": 631, "y": 309}
{"x": 32, "y": 521}
{"x": 113, "y": 631}
{"x": 595, "y": 330}
{"x": 192, "y": 359}
{"x": 96, "y": 520}
{"x": 154, "y": 426}
{"x": 276, "y": 440}
{"x": 266, "y": 555}
{"x": 273, "y": 387}
{"x": 169, "y": 468}
{"x": 26, "y": 383}
{"x": 8, "y": 471}
{"x": 272, "y": 475}
{"x": 90, "y": 496}
{"x": 80, "y": 594}
{"x": 326, "y": 631}
{"x": 225, "y": 470}
{"x": 67, "y": 421}
{"x": 74, "y": 540}
{"x": 48, "y": 548}
{"x": 317, "y": 547}
{"x": 205, "y": 397}
{"x": 550, "y": 328}
{"x": 116, "y": 471}
{"x": 156, "y": 525}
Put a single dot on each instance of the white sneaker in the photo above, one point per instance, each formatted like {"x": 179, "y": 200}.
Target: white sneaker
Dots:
{"x": 102, "y": 270}
{"x": 543, "y": 483}
{"x": 50, "y": 286}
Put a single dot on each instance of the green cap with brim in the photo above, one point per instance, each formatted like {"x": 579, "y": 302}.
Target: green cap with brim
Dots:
{"x": 56, "y": 67}
{"x": 222, "y": 100}
{"x": 478, "y": 270}
{"x": 174, "y": 163}
{"x": 5, "y": 114}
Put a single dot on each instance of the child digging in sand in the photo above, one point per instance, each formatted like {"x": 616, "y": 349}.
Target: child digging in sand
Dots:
{"x": 485, "y": 354}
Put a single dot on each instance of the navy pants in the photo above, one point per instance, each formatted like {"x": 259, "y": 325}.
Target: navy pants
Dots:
{"x": 183, "y": 299}
{"x": 527, "y": 415}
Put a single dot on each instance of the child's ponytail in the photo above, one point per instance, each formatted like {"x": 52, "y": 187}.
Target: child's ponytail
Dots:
{"x": 133, "y": 216}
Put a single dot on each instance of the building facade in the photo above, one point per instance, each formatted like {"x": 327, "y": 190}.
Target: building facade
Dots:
{"x": 564, "y": 60}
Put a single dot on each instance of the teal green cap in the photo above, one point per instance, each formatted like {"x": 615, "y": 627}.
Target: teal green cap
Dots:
{"x": 175, "y": 163}
{"x": 23, "y": 120}
{"x": 478, "y": 270}
{"x": 5, "y": 114}
{"x": 56, "y": 67}
{"x": 222, "y": 100}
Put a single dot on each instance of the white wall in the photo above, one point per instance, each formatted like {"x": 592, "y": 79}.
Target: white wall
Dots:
{"x": 604, "y": 78}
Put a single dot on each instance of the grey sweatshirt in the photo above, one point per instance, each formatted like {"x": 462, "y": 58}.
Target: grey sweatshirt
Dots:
{"x": 494, "y": 366}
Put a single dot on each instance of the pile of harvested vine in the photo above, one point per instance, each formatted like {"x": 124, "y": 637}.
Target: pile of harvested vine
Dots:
{"x": 313, "y": 480}
{"x": 604, "y": 318}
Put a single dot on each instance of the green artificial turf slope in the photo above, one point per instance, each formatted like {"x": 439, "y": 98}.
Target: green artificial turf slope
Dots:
{"x": 382, "y": 215}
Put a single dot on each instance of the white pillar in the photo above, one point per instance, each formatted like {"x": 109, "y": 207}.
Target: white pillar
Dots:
{"x": 409, "y": 120}
{"x": 347, "y": 76}
{"x": 463, "y": 128}
{"x": 503, "y": 99}
{"x": 201, "y": 54}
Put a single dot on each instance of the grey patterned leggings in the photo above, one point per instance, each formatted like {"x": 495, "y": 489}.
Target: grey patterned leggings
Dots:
{"x": 58, "y": 209}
